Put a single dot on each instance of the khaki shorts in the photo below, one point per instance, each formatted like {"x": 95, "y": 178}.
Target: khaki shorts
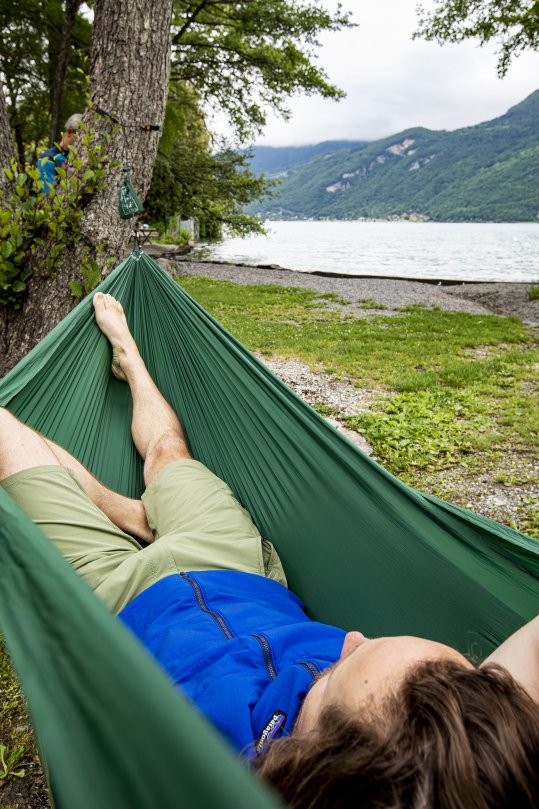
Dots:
{"x": 196, "y": 521}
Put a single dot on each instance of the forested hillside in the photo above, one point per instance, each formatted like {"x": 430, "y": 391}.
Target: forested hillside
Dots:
{"x": 488, "y": 172}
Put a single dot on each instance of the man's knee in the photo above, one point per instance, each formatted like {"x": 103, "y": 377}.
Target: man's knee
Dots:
{"x": 169, "y": 443}
{"x": 6, "y": 417}
{"x": 20, "y": 447}
{"x": 169, "y": 447}
{"x": 10, "y": 426}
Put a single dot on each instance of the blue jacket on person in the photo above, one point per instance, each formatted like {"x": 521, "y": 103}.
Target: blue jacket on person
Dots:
{"x": 47, "y": 163}
{"x": 238, "y": 645}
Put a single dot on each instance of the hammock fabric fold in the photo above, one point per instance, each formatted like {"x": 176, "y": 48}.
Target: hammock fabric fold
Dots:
{"x": 359, "y": 547}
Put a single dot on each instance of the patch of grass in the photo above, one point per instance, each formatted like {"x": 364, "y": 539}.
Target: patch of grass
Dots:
{"x": 11, "y": 759}
{"x": 533, "y": 293}
{"x": 463, "y": 387}
{"x": 512, "y": 479}
{"x": 528, "y": 521}
{"x": 332, "y": 297}
{"x": 20, "y": 770}
{"x": 325, "y": 410}
{"x": 413, "y": 307}
{"x": 411, "y": 351}
{"x": 370, "y": 303}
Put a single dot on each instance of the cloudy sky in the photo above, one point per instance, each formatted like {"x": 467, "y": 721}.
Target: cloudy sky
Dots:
{"x": 393, "y": 83}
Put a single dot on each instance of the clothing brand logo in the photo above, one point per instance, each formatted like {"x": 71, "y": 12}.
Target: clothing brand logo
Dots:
{"x": 273, "y": 727}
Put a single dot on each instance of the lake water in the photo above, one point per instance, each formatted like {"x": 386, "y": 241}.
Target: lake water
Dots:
{"x": 429, "y": 250}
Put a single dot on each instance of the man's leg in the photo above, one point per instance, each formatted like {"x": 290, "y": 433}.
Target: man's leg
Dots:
{"x": 197, "y": 520}
{"x": 22, "y": 448}
{"x": 125, "y": 512}
{"x": 157, "y": 432}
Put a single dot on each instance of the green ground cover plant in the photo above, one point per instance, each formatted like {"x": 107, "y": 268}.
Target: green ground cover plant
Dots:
{"x": 21, "y": 779}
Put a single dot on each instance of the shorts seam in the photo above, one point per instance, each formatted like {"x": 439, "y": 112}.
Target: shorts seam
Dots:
{"x": 176, "y": 568}
{"x": 23, "y": 474}
{"x": 261, "y": 558}
{"x": 153, "y": 569}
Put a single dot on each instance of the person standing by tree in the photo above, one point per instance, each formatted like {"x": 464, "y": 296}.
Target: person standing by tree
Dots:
{"x": 53, "y": 158}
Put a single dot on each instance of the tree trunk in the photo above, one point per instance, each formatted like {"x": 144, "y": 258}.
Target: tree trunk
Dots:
{"x": 60, "y": 68}
{"x": 129, "y": 80}
{"x": 7, "y": 145}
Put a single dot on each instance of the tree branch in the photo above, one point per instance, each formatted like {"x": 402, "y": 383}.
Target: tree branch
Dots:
{"x": 190, "y": 20}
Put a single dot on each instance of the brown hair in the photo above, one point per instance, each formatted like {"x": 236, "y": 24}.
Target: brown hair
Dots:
{"x": 451, "y": 738}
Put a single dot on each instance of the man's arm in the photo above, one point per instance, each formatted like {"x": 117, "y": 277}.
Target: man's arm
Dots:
{"x": 519, "y": 654}
{"x": 47, "y": 173}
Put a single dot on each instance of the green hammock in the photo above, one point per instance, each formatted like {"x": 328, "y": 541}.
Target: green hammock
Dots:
{"x": 359, "y": 547}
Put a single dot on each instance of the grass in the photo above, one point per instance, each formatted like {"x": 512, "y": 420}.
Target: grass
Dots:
{"x": 455, "y": 388}
{"x": 533, "y": 293}
{"x": 412, "y": 351}
{"x": 370, "y": 303}
{"x": 325, "y": 410}
{"x": 21, "y": 780}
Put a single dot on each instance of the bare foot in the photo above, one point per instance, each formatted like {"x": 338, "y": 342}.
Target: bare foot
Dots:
{"x": 110, "y": 317}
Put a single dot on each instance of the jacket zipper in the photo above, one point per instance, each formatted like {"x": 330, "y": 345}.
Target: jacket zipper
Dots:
{"x": 217, "y": 617}
{"x": 268, "y": 657}
{"x": 311, "y": 667}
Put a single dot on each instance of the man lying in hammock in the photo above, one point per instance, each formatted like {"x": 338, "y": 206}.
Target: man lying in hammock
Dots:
{"x": 332, "y": 719}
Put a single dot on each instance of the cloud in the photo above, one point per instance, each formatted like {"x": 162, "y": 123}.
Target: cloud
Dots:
{"x": 394, "y": 82}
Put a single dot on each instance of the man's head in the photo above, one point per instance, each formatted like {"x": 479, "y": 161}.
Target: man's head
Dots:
{"x": 368, "y": 671}
{"x": 71, "y": 128}
{"x": 409, "y": 723}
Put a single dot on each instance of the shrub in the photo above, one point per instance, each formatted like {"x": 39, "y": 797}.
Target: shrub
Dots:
{"x": 35, "y": 228}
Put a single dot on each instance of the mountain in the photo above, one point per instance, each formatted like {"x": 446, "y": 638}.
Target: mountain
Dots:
{"x": 278, "y": 160}
{"x": 487, "y": 172}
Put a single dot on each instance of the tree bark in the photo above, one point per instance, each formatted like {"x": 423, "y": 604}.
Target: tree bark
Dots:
{"x": 7, "y": 145}
{"x": 129, "y": 80}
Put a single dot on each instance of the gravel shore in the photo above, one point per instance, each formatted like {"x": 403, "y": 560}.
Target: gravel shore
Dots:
{"x": 390, "y": 294}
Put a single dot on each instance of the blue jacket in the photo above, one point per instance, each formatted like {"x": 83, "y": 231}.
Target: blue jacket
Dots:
{"x": 240, "y": 646}
{"x": 47, "y": 163}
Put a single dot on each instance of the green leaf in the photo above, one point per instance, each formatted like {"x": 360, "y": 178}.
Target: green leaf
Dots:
{"x": 75, "y": 287}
